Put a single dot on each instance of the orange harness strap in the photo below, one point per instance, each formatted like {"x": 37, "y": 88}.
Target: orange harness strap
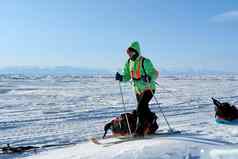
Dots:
{"x": 138, "y": 75}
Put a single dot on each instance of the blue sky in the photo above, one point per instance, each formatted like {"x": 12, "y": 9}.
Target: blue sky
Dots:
{"x": 201, "y": 34}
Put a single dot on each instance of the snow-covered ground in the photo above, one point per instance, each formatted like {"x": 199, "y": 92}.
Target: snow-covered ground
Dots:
{"x": 57, "y": 110}
{"x": 180, "y": 147}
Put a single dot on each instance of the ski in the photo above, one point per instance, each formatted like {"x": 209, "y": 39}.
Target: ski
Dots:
{"x": 121, "y": 139}
{"x": 95, "y": 141}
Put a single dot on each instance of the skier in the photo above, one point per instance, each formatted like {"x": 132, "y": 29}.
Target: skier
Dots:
{"x": 142, "y": 73}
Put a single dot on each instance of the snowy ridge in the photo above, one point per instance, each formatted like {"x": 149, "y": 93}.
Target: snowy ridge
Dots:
{"x": 180, "y": 146}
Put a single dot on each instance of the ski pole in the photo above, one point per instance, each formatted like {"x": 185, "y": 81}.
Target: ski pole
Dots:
{"x": 161, "y": 110}
{"x": 124, "y": 105}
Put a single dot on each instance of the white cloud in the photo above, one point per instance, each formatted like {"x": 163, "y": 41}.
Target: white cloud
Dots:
{"x": 230, "y": 16}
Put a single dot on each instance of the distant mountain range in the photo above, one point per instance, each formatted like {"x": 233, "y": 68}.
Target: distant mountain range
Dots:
{"x": 59, "y": 70}
{"x": 190, "y": 71}
{"x": 68, "y": 70}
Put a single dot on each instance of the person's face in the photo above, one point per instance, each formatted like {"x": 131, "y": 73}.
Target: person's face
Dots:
{"x": 130, "y": 53}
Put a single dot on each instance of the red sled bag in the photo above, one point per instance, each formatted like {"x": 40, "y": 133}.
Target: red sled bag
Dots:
{"x": 119, "y": 126}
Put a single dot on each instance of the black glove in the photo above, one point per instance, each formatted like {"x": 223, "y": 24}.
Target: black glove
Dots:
{"x": 118, "y": 77}
{"x": 146, "y": 78}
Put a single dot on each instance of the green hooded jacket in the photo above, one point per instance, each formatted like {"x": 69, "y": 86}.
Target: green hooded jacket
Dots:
{"x": 139, "y": 85}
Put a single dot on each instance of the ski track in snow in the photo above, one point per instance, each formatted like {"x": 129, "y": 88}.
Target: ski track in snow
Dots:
{"x": 55, "y": 110}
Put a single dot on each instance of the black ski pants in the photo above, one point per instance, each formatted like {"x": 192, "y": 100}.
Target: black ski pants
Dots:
{"x": 143, "y": 110}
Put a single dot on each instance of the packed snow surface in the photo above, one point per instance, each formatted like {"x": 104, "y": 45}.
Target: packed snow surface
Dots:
{"x": 71, "y": 109}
